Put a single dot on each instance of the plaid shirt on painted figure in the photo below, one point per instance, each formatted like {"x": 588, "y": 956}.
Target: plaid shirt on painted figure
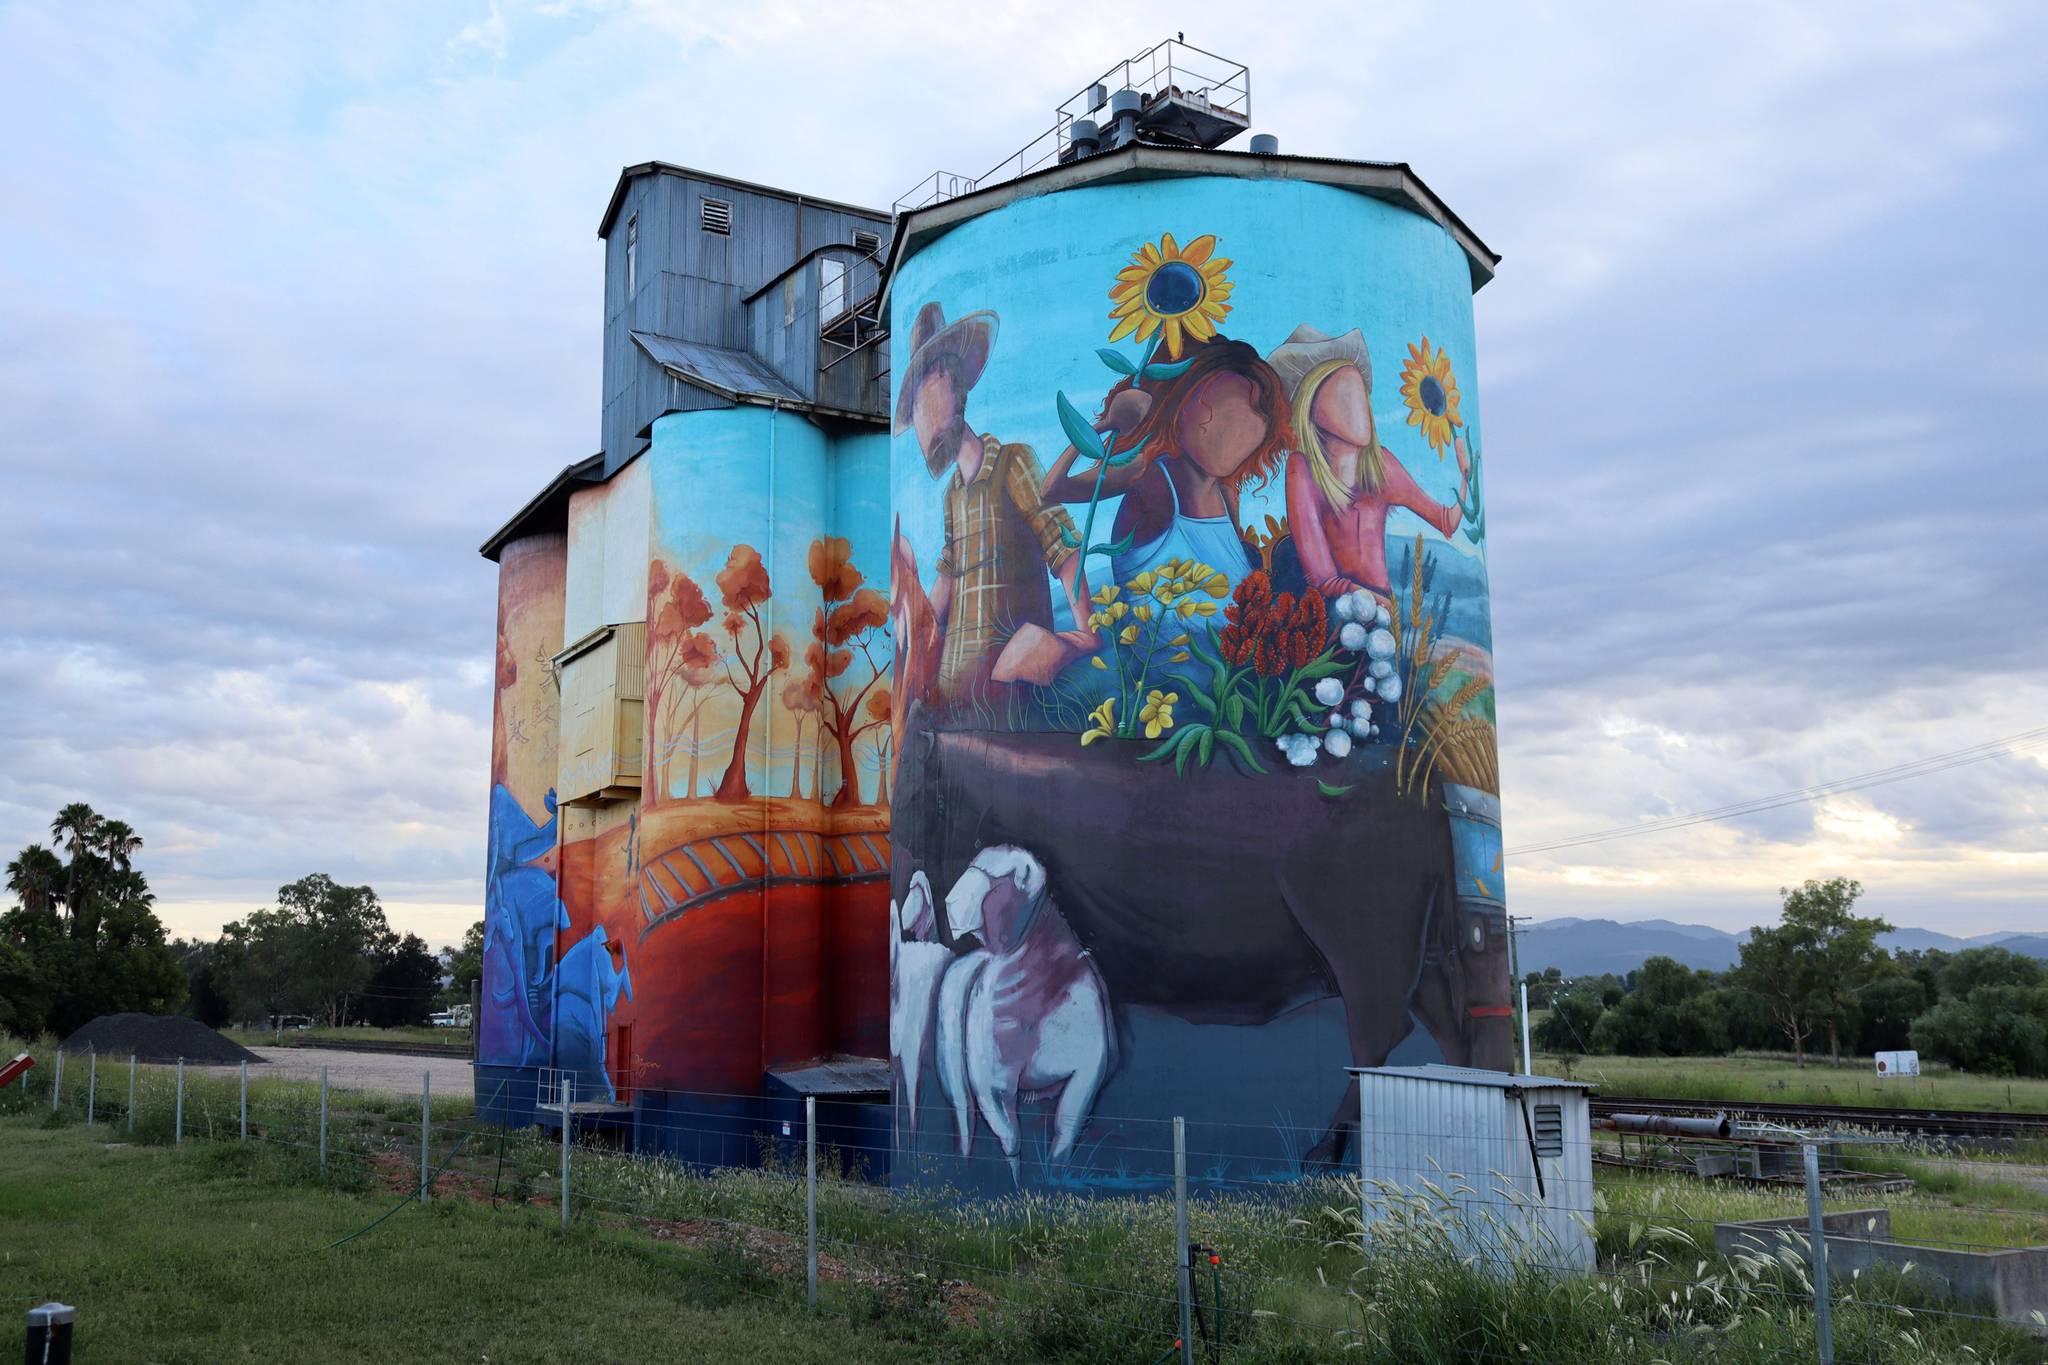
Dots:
{"x": 1001, "y": 539}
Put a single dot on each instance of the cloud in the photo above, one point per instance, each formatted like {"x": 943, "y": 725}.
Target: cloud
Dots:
{"x": 299, "y": 310}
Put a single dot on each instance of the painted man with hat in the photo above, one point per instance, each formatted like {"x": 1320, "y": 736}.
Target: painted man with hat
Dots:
{"x": 1003, "y": 542}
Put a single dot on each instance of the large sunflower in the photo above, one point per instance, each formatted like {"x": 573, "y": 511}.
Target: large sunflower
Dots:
{"x": 1431, "y": 392}
{"x": 1174, "y": 290}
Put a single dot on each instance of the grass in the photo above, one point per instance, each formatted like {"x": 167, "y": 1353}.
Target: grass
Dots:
{"x": 453, "y": 1038}
{"x": 1748, "y": 1077}
{"x": 214, "y": 1250}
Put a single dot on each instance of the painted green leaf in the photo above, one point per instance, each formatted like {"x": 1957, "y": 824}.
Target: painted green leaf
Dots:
{"x": 1208, "y": 745}
{"x": 1112, "y": 548}
{"x": 1116, "y": 360}
{"x": 1078, "y": 431}
{"x": 1236, "y": 745}
{"x": 1173, "y": 371}
{"x": 1328, "y": 790}
{"x": 1068, "y": 538}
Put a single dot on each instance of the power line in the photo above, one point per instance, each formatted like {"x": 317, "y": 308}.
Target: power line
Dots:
{"x": 1878, "y": 777}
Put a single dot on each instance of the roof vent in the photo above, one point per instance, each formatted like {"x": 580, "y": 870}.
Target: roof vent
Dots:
{"x": 1265, "y": 144}
{"x": 870, "y": 242}
{"x": 1085, "y": 137}
{"x": 718, "y": 217}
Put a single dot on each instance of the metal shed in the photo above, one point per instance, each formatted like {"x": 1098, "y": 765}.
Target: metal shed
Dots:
{"x": 1478, "y": 1162}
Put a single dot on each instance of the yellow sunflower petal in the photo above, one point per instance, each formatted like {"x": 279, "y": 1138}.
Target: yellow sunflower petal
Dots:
{"x": 1198, "y": 327}
{"x": 1149, "y": 254}
{"x": 1212, "y": 268}
{"x": 1197, "y": 251}
{"x": 1172, "y": 343}
{"x": 1132, "y": 272}
{"x": 1148, "y": 323}
{"x": 1126, "y": 327}
{"x": 1129, "y": 305}
{"x": 1167, "y": 248}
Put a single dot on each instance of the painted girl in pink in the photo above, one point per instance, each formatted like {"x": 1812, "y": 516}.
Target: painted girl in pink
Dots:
{"x": 1341, "y": 482}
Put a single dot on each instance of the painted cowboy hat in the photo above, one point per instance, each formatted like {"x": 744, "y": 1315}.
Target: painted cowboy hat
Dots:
{"x": 1306, "y": 348}
{"x": 964, "y": 343}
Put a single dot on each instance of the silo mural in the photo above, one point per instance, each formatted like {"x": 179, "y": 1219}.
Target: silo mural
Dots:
{"x": 522, "y": 901}
{"x": 1196, "y": 797}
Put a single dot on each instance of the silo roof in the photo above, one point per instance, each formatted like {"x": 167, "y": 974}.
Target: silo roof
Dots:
{"x": 1392, "y": 181}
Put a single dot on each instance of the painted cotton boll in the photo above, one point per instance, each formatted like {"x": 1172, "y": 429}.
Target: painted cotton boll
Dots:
{"x": 1329, "y": 692}
{"x": 1380, "y": 616}
{"x": 1360, "y": 729}
{"x": 1390, "y": 689}
{"x": 1300, "y": 749}
{"x": 1380, "y": 644}
{"x": 1361, "y": 709}
{"x": 1338, "y": 742}
{"x": 1381, "y": 668}
{"x": 1346, "y": 609}
{"x": 1352, "y": 636}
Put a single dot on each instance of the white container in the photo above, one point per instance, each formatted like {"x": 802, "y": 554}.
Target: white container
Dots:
{"x": 1892, "y": 1065}
{"x": 1478, "y": 1163}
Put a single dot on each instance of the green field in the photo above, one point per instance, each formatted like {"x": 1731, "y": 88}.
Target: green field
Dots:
{"x": 1779, "y": 1079}
{"x": 453, "y": 1038}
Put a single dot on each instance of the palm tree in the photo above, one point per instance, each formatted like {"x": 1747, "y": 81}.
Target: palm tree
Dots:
{"x": 76, "y": 829}
{"x": 118, "y": 842}
{"x": 34, "y": 877}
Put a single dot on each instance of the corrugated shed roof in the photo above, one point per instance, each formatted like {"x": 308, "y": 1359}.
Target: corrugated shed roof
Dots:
{"x": 839, "y": 1075}
{"x": 1465, "y": 1075}
{"x": 724, "y": 372}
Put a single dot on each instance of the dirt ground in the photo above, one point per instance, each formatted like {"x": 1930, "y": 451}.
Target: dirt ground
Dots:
{"x": 377, "y": 1072}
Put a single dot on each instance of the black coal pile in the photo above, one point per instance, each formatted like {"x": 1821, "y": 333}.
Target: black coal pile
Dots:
{"x": 157, "y": 1038}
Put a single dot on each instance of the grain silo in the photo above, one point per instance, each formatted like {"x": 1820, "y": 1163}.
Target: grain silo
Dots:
{"x": 1195, "y": 799}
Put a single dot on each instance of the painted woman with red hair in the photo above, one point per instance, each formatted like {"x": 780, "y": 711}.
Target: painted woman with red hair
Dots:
{"x": 1213, "y": 428}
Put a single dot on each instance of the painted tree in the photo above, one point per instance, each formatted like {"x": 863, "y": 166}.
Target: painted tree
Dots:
{"x": 754, "y": 656}
{"x": 682, "y": 663}
{"x": 800, "y": 699}
{"x": 852, "y": 618}
{"x": 878, "y": 712}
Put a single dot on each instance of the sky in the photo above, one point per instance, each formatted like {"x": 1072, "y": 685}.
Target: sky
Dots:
{"x": 299, "y": 303}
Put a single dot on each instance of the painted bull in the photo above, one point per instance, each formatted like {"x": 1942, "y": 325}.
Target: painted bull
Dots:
{"x": 1221, "y": 897}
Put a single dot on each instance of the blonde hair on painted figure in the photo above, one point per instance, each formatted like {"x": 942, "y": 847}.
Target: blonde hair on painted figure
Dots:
{"x": 1371, "y": 470}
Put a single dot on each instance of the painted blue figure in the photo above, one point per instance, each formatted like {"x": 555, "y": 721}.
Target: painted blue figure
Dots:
{"x": 591, "y": 978}
{"x": 522, "y": 911}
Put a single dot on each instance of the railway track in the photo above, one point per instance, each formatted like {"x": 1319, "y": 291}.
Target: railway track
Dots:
{"x": 457, "y": 1050}
{"x": 1944, "y": 1122}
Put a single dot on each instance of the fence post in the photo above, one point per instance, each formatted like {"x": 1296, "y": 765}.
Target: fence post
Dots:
{"x": 811, "y": 1199}
{"x": 178, "y": 1128}
{"x": 92, "y": 1083}
{"x": 426, "y": 1117}
{"x": 131, "y": 1092}
{"x": 1180, "y": 1237}
{"x": 323, "y": 1118}
{"x": 568, "y": 1097}
{"x": 57, "y": 1083}
{"x": 1816, "y": 1231}
{"x": 245, "y": 1101}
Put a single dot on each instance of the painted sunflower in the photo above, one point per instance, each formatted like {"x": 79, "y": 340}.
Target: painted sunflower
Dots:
{"x": 1177, "y": 291}
{"x": 1430, "y": 390}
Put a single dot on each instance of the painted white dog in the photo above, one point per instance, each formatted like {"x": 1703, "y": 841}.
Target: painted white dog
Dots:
{"x": 917, "y": 964}
{"x": 1025, "y": 1015}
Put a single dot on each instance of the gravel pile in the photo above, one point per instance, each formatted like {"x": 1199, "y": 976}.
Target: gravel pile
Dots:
{"x": 157, "y": 1038}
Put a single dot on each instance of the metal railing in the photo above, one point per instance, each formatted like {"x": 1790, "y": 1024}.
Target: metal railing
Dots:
{"x": 1171, "y": 68}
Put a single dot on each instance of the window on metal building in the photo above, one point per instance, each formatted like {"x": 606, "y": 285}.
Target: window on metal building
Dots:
{"x": 831, "y": 288}
{"x": 632, "y": 255}
{"x": 870, "y": 242}
{"x": 718, "y": 217}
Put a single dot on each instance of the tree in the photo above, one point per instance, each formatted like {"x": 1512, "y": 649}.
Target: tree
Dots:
{"x": 209, "y": 982}
{"x": 1781, "y": 968}
{"x": 1974, "y": 967}
{"x": 464, "y": 964}
{"x": 682, "y": 662}
{"x": 743, "y": 588}
{"x": 401, "y": 990}
{"x": 1573, "y": 1019}
{"x": 1543, "y": 987}
{"x": 1811, "y": 965}
{"x": 2002, "y": 1030}
{"x": 318, "y": 948}
{"x": 87, "y": 927}
{"x": 852, "y": 617}
{"x": 1888, "y": 1007}
{"x": 800, "y": 698}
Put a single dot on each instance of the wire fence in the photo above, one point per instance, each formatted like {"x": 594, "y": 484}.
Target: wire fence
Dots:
{"x": 1879, "y": 1249}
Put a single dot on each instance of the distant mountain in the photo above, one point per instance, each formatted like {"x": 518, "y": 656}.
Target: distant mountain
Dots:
{"x": 1589, "y": 947}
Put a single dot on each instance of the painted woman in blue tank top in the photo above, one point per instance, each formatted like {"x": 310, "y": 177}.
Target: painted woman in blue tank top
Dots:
{"x": 1219, "y": 425}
